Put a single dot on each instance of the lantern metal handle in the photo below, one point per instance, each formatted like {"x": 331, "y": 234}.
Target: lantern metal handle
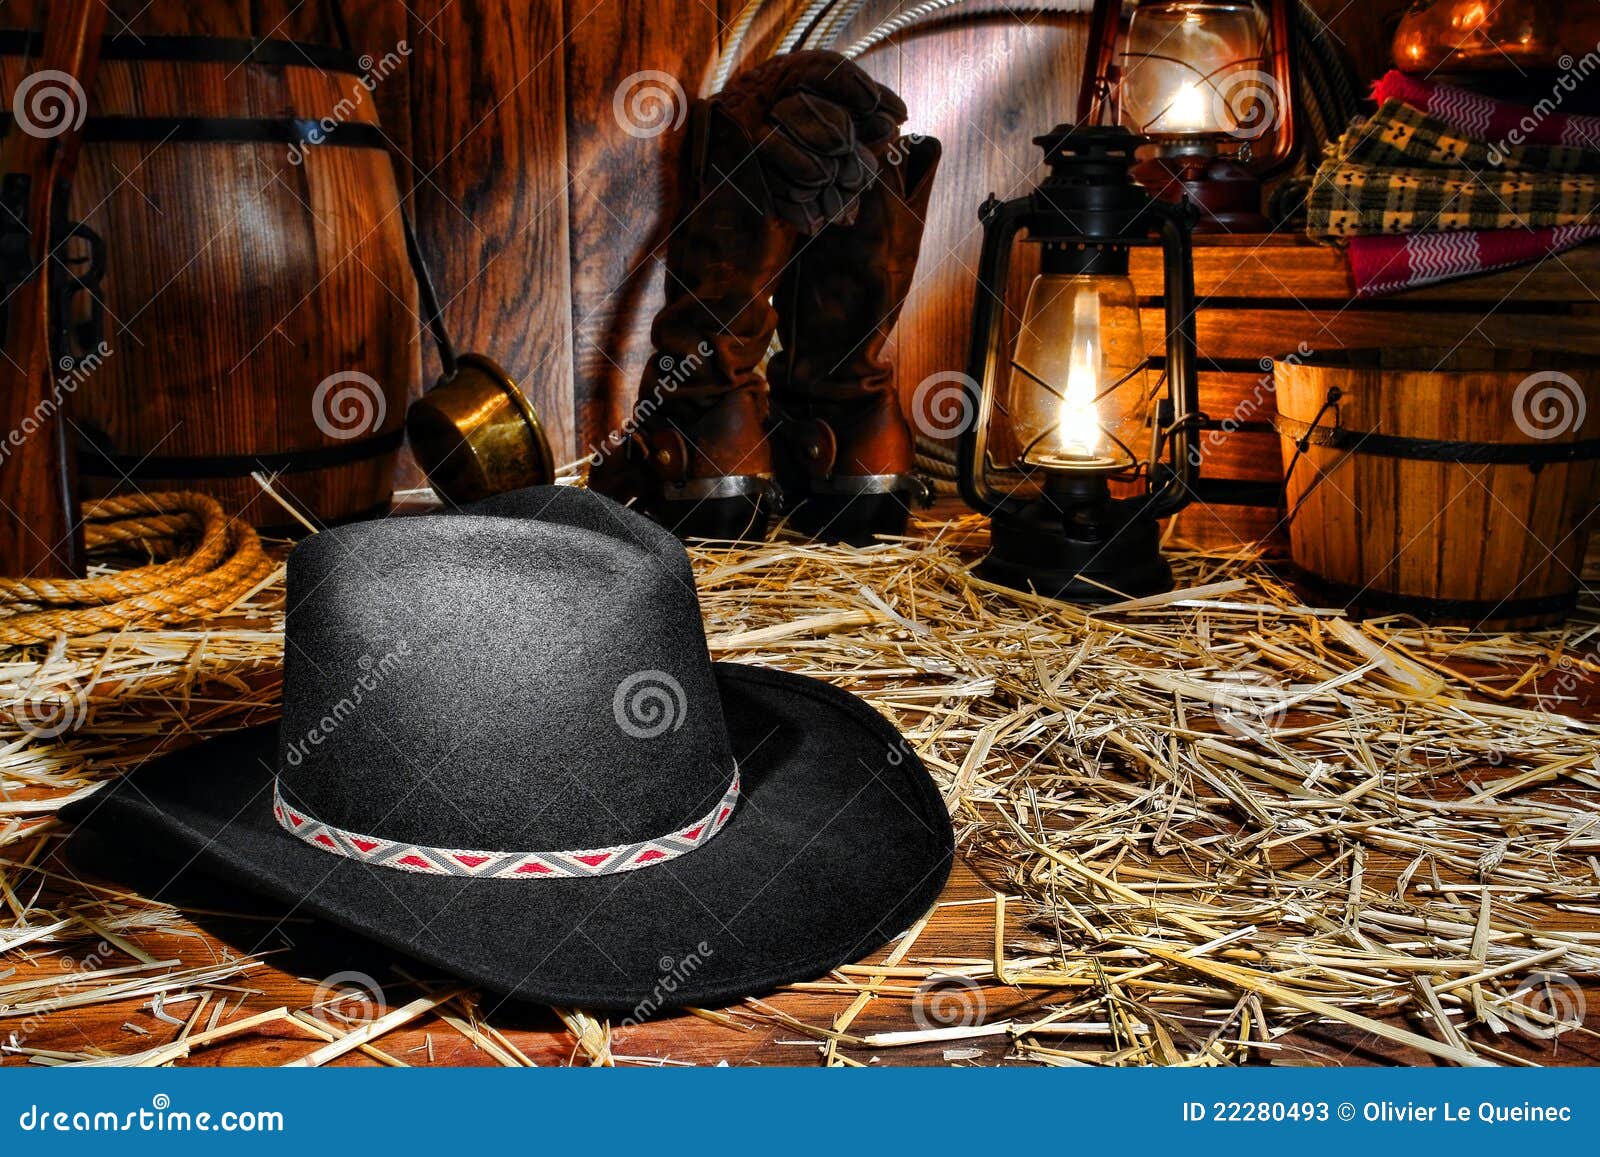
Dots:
{"x": 1002, "y": 221}
{"x": 1175, "y": 486}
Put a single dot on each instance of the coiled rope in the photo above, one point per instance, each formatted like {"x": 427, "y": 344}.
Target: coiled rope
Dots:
{"x": 225, "y": 565}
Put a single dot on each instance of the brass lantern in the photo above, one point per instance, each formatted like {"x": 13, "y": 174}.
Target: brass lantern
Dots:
{"x": 1076, "y": 403}
{"x": 1209, "y": 85}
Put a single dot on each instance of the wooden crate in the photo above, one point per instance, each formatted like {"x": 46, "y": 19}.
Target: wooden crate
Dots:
{"x": 1264, "y": 296}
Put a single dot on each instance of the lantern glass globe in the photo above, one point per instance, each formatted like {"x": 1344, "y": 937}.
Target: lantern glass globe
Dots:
{"x": 1192, "y": 69}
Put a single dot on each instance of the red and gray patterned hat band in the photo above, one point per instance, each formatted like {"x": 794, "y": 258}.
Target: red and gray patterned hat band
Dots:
{"x": 433, "y": 861}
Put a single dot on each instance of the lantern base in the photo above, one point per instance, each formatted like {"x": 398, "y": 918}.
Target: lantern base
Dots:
{"x": 1227, "y": 194}
{"x": 1079, "y": 545}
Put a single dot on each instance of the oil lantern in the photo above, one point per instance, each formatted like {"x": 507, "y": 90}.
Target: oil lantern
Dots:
{"x": 1076, "y": 403}
{"x": 1209, "y": 84}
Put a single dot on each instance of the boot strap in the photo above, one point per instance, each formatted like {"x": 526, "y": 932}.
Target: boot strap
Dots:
{"x": 819, "y": 446}
{"x": 669, "y": 455}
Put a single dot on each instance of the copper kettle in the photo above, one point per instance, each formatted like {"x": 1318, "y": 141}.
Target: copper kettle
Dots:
{"x": 1486, "y": 35}
{"x": 474, "y": 433}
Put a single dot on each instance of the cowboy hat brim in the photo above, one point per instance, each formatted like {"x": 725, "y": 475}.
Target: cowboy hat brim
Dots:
{"x": 840, "y": 841}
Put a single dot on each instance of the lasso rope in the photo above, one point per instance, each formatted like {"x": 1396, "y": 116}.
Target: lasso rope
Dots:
{"x": 225, "y": 565}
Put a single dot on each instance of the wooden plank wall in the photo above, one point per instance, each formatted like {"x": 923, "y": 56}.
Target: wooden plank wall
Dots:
{"x": 540, "y": 213}
{"x": 491, "y": 215}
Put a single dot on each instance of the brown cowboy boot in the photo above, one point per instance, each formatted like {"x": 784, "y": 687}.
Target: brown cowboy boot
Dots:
{"x": 845, "y": 453}
{"x": 783, "y": 152}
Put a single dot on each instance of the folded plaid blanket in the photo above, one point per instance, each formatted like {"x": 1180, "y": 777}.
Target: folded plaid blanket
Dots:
{"x": 1404, "y": 135}
{"x": 1495, "y": 122}
{"x": 1352, "y": 200}
{"x": 1422, "y": 194}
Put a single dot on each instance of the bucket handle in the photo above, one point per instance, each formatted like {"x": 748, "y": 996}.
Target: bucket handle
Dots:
{"x": 427, "y": 295}
{"x": 1303, "y": 444}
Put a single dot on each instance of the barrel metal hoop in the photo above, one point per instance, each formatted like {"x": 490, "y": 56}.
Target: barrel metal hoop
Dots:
{"x": 292, "y": 131}
{"x": 1437, "y": 450}
{"x": 199, "y": 50}
{"x": 96, "y": 463}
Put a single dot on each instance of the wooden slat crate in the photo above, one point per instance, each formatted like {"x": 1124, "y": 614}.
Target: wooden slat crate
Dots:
{"x": 1263, "y": 296}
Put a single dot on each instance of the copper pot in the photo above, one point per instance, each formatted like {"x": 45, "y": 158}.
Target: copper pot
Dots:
{"x": 1485, "y": 35}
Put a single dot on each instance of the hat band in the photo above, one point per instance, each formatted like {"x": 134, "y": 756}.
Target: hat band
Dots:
{"x": 505, "y": 865}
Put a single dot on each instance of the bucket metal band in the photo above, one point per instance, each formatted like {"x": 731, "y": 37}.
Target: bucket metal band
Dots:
{"x": 96, "y": 463}
{"x": 1437, "y": 450}
{"x": 199, "y": 50}
{"x": 1369, "y": 600}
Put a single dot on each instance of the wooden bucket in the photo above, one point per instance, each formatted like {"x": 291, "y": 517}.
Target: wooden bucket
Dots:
{"x": 1458, "y": 486}
{"x": 260, "y": 310}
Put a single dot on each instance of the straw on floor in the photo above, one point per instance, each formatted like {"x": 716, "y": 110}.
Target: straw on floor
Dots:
{"x": 1223, "y": 816}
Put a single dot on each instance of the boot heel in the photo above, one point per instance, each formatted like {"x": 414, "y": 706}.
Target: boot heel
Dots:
{"x": 732, "y": 509}
{"x": 859, "y": 517}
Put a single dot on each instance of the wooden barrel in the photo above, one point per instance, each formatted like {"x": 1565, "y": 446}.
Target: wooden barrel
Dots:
{"x": 260, "y": 310}
{"x": 1458, "y": 486}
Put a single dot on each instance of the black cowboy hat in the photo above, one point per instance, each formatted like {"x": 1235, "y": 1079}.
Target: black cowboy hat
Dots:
{"x": 505, "y": 751}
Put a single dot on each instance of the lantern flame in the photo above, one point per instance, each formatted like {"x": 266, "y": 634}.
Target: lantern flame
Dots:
{"x": 1078, "y": 424}
{"x": 1190, "y": 110}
